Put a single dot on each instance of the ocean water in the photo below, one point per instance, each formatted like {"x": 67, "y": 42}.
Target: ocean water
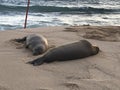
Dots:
{"x": 44, "y": 13}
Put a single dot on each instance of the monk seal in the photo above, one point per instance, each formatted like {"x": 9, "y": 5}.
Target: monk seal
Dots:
{"x": 37, "y": 44}
{"x": 71, "y": 51}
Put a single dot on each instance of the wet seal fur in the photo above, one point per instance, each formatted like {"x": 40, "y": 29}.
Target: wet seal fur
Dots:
{"x": 71, "y": 51}
{"x": 37, "y": 44}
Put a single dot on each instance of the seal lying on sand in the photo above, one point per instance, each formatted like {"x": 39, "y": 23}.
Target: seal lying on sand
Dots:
{"x": 38, "y": 44}
{"x": 71, "y": 51}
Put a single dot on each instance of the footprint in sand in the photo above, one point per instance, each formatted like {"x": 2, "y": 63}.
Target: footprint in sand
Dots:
{"x": 3, "y": 88}
{"x": 41, "y": 89}
{"x": 72, "y": 86}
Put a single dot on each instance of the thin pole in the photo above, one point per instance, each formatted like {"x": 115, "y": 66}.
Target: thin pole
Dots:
{"x": 26, "y": 14}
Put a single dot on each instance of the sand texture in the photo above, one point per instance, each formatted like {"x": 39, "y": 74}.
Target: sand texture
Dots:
{"x": 99, "y": 72}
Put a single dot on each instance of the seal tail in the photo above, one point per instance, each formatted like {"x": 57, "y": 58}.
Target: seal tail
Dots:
{"x": 36, "y": 62}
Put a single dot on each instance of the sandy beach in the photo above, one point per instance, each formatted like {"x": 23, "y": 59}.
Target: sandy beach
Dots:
{"x": 99, "y": 72}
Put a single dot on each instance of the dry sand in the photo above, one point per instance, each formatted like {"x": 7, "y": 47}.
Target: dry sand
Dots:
{"x": 99, "y": 72}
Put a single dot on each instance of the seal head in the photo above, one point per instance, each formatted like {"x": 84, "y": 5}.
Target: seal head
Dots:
{"x": 38, "y": 50}
{"x": 95, "y": 50}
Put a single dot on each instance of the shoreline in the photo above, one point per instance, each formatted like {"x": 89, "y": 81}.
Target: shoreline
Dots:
{"x": 98, "y": 72}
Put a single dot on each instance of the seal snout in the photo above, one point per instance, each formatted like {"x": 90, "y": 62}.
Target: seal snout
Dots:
{"x": 96, "y": 50}
{"x": 38, "y": 50}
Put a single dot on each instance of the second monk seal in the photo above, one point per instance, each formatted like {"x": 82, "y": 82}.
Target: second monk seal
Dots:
{"x": 37, "y": 44}
{"x": 71, "y": 51}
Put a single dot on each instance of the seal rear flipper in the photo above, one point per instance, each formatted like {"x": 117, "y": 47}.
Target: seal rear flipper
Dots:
{"x": 36, "y": 62}
{"x": 20, "y": 40}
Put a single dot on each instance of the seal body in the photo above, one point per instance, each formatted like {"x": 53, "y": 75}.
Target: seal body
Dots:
{"x": 71, "y": 51}
{"x": 37, "y": 44}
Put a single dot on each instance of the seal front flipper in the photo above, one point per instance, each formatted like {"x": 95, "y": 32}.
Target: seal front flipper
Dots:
{"x": 37, "y": 61}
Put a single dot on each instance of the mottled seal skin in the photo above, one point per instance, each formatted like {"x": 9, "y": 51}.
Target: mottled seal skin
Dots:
{"x": 37, "y": 44}
{"x": 71, "y": 51}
